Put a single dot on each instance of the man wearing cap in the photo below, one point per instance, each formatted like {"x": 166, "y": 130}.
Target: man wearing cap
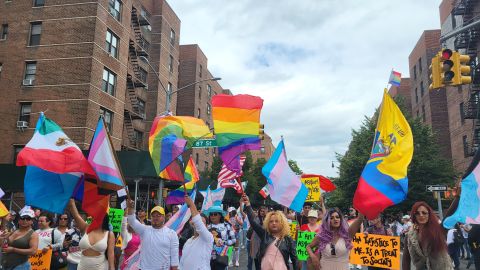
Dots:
{"x": 159, "y": 249}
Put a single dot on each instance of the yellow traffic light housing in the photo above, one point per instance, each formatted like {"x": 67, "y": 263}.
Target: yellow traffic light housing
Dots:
{"x": 462, "y": 69}
{"x": 261, "y": 131}
{"x": 435, "y": 73}
{"x": 447, "y": 67}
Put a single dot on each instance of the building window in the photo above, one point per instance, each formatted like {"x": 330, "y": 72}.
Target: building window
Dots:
{"x": 424, "y": 118}
{"x": 209, "y": 108}
{"x": 420, "y": 65}
{"x": 416, "y": 95}
{"x": 115, "y": 8}
{"x": 108, "y": 117}
{"x": 141, "y": 107}
{"x": 462, "y": 113}
{"x": 4, "y": 31}
{"x": 200, "y": 71}
{"x": 465, "y": 146}
{"x": 16, "y": 150}
{"x": 170, "y": 64}
{"x": 25, "y": 110}
{"x": 422, "y": 90}
{"x": 196, "y": 159}
{"x": 172, "y": 37}
{"x": 109, "y": 81}
{"x": 38, "y": 3}
{"x": 206, "y": 165}
{"x": 111, "y": 44}
{"x": 35, "y": 33}
{"x": 209, "y": 90}
{"x": 143, "y": 75}
{"x": 199, "y": 92}
{"x": 30, "y": 70}
{"x": 138, "y": 137}
{"x": 262, "y": 149}
{"x": 198, "y": 113}
{"x": 414, "y": 72}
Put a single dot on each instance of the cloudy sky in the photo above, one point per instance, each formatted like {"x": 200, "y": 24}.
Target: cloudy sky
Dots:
{"x": 320, "y": 65}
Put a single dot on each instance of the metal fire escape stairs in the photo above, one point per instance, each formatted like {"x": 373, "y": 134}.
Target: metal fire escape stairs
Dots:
{"x": 138, "y": 79}
{"x": 468, "y": 40}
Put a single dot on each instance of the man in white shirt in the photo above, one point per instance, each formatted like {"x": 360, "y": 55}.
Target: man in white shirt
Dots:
{"x": 159, "y": 249}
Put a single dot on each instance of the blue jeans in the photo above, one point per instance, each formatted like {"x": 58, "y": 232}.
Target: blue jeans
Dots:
{"x": 250, "y": 259}
{"x": 454, "y": 252}
{"x": 72, "y": 266}
{"x": 23, "y": 266}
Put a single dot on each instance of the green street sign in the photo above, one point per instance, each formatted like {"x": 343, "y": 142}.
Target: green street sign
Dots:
{"x": 205, "y": 143}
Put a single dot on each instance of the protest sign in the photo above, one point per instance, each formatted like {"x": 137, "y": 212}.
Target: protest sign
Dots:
{"x": 313, "y": 185}
{"x": 293, "y": 230}
{"x": 41, "y": 260}
{"x": 119, "y": 241}
{"x": 304, "y": 238}
{"x": 115, "y": 217}
{"x": 376, "y": 250}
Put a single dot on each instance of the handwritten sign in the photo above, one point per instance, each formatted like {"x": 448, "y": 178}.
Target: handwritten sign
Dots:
{"x": 41, "y": 260}
{"x": 293, "y": 230}
{"x": 115, "y": 217}
{"x": 376, "y": 250}
{"x": 303, "y": 240}
{"x": 313, "y": 185}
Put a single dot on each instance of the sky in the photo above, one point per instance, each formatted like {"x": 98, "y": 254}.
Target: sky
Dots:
{"x": 319, "y": 65}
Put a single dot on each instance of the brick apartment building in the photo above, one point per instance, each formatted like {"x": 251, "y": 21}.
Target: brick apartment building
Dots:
{"x": 402, "y": 90}
{"x": 430, "y": 106}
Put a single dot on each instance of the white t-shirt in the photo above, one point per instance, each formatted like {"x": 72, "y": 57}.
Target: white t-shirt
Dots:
{"x": 45, "y": 238}
{"x": 197, "y": 252}
{"x": 159, "y": 250}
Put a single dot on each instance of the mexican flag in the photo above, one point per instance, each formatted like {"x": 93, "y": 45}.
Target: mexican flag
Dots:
{"x": 51, "y": 150}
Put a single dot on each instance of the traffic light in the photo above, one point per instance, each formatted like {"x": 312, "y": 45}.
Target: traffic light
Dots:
{"x": 261, "y": 132}
{"x": 461, "y": 69}
{"x": 447, "y": 74}
{"x": 435, "y": 73}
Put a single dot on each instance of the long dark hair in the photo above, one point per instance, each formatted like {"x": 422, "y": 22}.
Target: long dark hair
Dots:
{"x": 431, "y": 234}
{"x": 105, "y": 223}
{"x": 69, "y": 220}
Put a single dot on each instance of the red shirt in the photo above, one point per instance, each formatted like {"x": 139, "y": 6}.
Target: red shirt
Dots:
{"x": 305, "y": 228}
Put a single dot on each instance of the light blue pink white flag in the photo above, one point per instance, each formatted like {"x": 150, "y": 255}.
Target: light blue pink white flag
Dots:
{"x": 212, "y": 198}
{"x": 177, "y": 221}
{"x": 103, "y": 160}
{"x": 284, "y": 186}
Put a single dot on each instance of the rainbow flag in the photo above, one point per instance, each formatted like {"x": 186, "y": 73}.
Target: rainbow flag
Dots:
{"x": 191, "y": 177}
{"x": 384, "y": 179}
{"x": 103, "y": 159}
{"x": 170, "y": 135}
{"x": 177, "y": 221}
{"x": 173, "y": 171}
{"x": 395, "y": 78}
{"x": 237, "y": 125}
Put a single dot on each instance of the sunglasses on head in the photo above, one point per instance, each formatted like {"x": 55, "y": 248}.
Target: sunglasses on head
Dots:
{"x": 333, "y": 252}
{"x": 26, "y": 218}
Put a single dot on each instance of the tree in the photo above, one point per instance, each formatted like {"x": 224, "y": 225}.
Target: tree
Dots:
{"x": 294, "y": 166}
{"x": 426, "y": 167}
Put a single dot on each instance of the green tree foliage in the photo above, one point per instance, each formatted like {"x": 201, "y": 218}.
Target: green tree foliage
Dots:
{"x": 294, "y": 166}
{"x": 427, "y": 166}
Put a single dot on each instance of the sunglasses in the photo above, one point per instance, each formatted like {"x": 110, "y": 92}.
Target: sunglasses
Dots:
{"x": 63, "y": 218}
{"x": 214, "y": 214}
{"x": 26, "y": 218}
{"x": 333, "y": 252}
{"x": 423, "y": 213}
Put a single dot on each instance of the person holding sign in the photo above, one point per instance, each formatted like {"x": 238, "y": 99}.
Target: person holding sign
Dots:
{"x": 334, "y": 241}
{"x": 426, "y": 246}
{"x": 21, "y": 244}
{"x": 197, "y": 251}
{"x": 312, "y": 225}
{"x": 275, "y": 239}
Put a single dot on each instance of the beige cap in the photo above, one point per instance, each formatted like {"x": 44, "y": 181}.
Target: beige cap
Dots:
{"x": 312, "y": 213}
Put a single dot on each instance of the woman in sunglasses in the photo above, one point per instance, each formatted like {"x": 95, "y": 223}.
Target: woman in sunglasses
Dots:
{"x": 224, "y": 237}
{"x": 276, "y": 246}
{"x": 21, "y": 244}
{"x": 426, "y": 246}
{"x": 334, "y": 241}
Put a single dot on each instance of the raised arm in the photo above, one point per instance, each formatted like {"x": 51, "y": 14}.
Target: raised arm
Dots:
{"x": 356, "y": 225}
{"x": 81, "y": 224}
{"x": 200, "y": 227}
{"x": 258, "y": 228}
{"x": 132, "y": 221}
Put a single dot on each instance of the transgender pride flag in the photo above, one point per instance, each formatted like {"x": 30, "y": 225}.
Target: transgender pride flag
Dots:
{"x": 103, "y": 160}
{"x": 177, "y": 221}
{"x": 468, "y": 210}
{"x": 284, "y": 186}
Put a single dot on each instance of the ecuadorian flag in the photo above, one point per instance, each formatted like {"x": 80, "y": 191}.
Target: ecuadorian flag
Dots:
{"x": 384, "y": 179}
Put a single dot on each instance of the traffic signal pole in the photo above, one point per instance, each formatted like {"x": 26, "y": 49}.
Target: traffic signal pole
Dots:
{"x": 439, "y": 204}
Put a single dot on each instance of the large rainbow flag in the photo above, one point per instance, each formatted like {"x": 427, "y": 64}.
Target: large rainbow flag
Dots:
{"x": 170, "y": 135}
{"x": 237, "y": 126}
{"x": 384, "y": 179}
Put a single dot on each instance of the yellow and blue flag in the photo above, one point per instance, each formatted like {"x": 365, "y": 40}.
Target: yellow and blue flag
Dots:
{"x": 384, "y": 179}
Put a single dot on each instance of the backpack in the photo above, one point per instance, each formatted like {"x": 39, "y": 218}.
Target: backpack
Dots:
{"x": 458, "y": 238}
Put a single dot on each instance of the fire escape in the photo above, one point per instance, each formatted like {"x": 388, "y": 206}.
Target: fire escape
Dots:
{"x": 136, "y": 80}
{"x": 468, "y": 41}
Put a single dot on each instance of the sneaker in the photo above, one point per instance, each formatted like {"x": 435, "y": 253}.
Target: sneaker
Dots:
{"x": 237, "y": 264}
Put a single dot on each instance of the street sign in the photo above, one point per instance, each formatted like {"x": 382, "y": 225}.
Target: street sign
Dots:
{"x": 433, "y": 188}
{"x": 205, "y": 143}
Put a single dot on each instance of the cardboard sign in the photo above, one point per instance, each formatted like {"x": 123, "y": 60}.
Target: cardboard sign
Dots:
{"x": 115, "y": 217}
{"x": 303, "y": 240}
{"x": 376, "y": 250}
{"x": 40, "y": 260}
{"x": 313, "y": 185}
{"x": 293, "y": 230}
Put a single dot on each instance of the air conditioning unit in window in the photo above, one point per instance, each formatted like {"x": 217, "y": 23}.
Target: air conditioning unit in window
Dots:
{"x": 22, "y": 124}
{"x": 28, "y": 82}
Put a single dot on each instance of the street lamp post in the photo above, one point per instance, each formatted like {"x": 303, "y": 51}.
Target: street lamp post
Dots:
{"x": 168, "y": 96}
